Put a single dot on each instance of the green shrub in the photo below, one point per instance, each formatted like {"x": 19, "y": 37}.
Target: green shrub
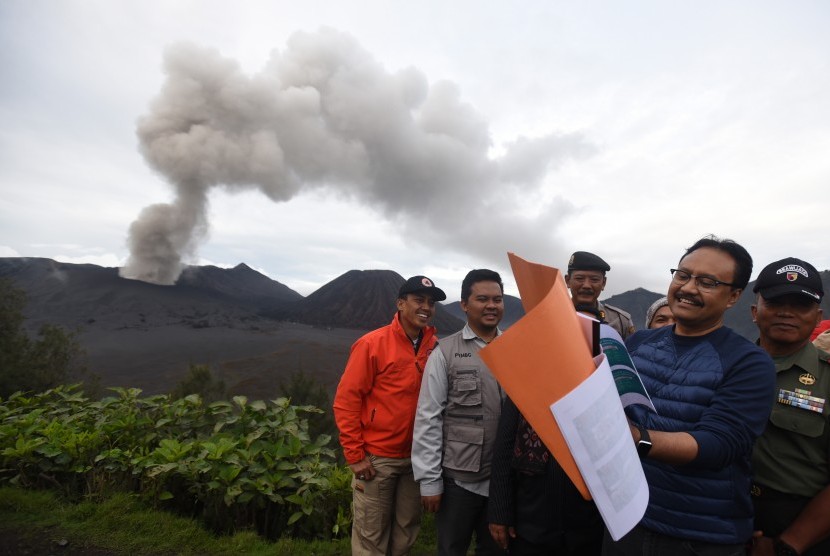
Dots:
{"x": 235, "y": 464}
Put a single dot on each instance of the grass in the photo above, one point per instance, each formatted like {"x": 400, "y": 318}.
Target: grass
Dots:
{"x": 122, "y": 524}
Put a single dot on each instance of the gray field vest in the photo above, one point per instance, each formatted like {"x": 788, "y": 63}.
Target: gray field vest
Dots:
{"x": 471, "y": 417}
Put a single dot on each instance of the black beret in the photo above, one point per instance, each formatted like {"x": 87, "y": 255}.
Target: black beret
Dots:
{"x": 583, "y": 260}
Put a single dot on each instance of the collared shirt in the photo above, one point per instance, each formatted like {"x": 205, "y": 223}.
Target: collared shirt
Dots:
{"x": 793, "y": 454}
{"x": 617, "y": 318}
{"x": 428, "y": 454}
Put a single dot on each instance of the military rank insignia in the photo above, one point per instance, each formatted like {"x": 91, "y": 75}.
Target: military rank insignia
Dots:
{"x": 807, "y": 379}
{"x": 802, "y": 399}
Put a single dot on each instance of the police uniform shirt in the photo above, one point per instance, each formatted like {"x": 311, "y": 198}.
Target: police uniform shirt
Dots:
{"x": 793, "y": 454}
{"x": 617, "y": 318}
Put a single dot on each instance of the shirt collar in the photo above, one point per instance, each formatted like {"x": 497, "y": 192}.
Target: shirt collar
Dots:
{"x": 468, "y": 334}
{"x": 804, "y": 359}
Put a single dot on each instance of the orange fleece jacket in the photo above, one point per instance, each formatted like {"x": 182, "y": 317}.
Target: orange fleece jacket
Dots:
{"x": 374, "y": 406}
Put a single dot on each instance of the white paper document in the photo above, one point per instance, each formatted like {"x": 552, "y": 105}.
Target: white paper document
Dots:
{"x": 595, "y": 428}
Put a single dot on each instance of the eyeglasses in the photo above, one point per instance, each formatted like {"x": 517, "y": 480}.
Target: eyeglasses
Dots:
{"x": 702, "y": 282}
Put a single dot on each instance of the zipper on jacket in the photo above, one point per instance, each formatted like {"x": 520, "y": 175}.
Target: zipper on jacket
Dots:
{"x": 372, "y": 418}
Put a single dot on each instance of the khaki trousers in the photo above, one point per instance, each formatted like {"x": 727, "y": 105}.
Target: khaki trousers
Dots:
{"x": 387, "y": 509}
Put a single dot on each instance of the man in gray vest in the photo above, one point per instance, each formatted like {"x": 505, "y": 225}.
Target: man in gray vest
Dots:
{"x": 456, "y": 422}
{"x": 586, "y": 280}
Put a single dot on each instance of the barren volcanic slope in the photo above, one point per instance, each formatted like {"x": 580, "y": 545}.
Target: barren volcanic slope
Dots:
{"x": 252, "y": 331}
{"x": 366, "y": 297}
{"x": 144, "y": 335}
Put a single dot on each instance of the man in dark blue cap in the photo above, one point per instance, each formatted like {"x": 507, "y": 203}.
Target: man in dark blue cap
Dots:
{"x": 791, "y": 460}
{"x": 586, "y": 280}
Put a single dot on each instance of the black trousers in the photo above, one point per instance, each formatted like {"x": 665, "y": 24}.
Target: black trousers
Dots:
{"x": 462, "y": 514}
{"x": 774, "y": 511}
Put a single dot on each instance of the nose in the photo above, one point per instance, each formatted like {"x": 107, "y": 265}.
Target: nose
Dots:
{"x": 784, "y": 310}
{"x": 690, "y": 286}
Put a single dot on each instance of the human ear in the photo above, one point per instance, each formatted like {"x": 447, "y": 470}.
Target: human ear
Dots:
{"x": 734, "y": 296}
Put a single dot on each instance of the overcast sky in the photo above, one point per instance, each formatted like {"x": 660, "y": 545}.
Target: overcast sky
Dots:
{"x": 310, "y": 138}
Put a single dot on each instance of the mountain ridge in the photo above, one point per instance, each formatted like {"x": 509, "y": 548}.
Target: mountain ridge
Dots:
{"x": 253, "y": 331}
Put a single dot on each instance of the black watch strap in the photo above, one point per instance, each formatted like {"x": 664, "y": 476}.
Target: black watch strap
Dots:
{"x": 644, "y": 444}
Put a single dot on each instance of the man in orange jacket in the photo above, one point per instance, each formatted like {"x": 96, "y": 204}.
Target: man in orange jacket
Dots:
{"x": 375, "y": 411}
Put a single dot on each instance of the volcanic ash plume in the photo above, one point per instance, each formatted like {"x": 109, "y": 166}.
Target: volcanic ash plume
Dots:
{"x": 325, "y": 114}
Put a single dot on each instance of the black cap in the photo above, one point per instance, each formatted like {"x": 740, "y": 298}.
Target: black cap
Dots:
{"x": 422, "y": 284}
{"x": 787, "y": 276}
{"x": 583, "y": 260}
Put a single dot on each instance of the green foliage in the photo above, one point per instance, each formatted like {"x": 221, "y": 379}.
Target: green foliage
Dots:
{"x": 200, "y": 381}
{"x": 235, "y": 464}
{"x": 27, "y": 365}
{"x": 123, "y": 524}
{"x": 303, "y": 389}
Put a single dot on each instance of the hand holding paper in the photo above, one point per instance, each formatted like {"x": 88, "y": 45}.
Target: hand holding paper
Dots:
{"x": 544, "y": 363}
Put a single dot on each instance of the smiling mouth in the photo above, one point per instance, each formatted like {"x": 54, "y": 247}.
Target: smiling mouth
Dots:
{"x": 689, "y": 301}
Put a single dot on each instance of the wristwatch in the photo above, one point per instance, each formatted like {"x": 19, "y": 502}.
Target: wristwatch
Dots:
{"x": 644, "y": 444}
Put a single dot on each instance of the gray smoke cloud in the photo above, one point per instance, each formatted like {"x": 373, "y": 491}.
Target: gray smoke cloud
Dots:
{"x": 325, "y": 114}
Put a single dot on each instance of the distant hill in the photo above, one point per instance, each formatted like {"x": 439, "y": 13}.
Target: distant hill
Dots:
{"x": 635, "y": 302}
{"x": 242, "y": 284}
{"x": 363, "y": 299}
{"x": 513, "y": 311}
{"x": 144, "y": 335}
{"x": 85, "y": 294}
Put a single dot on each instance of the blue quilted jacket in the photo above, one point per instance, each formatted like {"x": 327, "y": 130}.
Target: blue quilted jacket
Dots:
{"x": 719, "y": 388}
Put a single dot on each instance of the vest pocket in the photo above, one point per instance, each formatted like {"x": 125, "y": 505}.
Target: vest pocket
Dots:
{"x": 801, "y": 421}
{"x": 466, "y": 388}
{"x": 464, "y": 447}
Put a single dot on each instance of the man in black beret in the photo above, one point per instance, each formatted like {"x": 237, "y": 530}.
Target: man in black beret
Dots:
{"x": 586, "y": 280}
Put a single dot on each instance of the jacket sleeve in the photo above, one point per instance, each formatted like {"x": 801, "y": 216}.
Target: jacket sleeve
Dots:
{"x": 738, "y": 413}
{"x": 500, "y": 508}
{"x": 428, "y": 436}
{"x": 349, "y": 399}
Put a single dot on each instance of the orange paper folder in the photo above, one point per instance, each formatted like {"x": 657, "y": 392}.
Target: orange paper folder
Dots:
{"x": 543, "y": 356}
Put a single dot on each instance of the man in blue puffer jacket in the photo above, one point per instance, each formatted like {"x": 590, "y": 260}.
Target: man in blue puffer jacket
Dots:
{"x": 712, "y": 390}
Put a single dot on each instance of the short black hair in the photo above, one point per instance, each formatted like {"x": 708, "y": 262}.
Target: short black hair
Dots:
{"x": 479, "y": 275}
{"x": 743, "y": 261}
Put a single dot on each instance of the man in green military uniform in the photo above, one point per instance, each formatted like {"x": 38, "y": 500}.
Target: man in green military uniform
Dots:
{"x": 586, "y": 280}
{"x": 791, "y": 460}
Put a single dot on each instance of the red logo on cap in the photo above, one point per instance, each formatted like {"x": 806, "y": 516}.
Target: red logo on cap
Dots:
{"x": 426, "y": 282}
{"x": 792, "y": 276}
